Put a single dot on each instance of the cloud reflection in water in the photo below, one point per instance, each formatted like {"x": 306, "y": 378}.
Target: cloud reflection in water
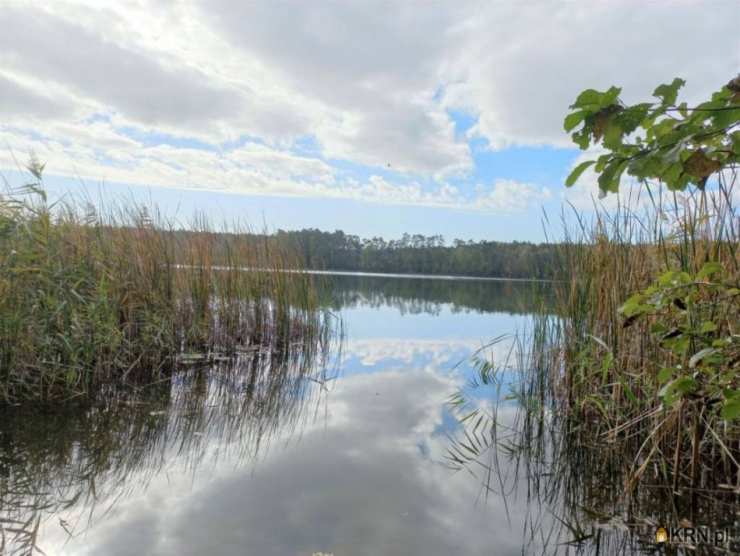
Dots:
{"x": 364, "y": 477}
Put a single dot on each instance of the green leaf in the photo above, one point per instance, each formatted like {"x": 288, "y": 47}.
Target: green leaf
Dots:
{"x": 679, "y": 148}
{"x": 631, "y": 118}
{"x": 610, "y": 96}
{"x": 573, "y": 119}
{"x": 708, "y": 326}
{"x": 735, "y": 140}
{"x": 674, "y": 278}
{"x": 577, "y": 171}
{"x": 606, "y": 366}
{"x": 676, "y": 389}
{"x": 582, "y": 138}
{"x": 609, "y": 178}
{"x": 731, "y": 409}
{"x": 602, "y": 161}
{"x": 633, "y": 306}
{"x": 647, "y": 166}
{"x": 671, "y": 176}
{"x": 668, "y": 93}
{"x": 613, "y": 134}
{"x": 590, "y": 98}
{"x": 665, "y": 374}
{"x": 726, "y": 118}
{"x": 709, "y": 268}
{"x": 684, "y": 385}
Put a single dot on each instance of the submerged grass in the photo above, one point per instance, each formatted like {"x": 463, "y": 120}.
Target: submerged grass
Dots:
{"x": 92, "y": 296}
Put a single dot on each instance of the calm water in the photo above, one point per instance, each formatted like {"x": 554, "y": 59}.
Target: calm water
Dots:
{"x": 348, "y": 460}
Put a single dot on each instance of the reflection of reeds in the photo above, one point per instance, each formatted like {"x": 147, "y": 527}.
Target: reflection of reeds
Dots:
{"x": 593, "y": 440}
{"x": 520, "y": 440}
{"x": 58, "y": 461}
{"x": 91, "y": 296}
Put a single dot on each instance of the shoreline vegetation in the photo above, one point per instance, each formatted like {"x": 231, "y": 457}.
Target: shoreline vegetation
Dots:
{"x": 627, "y": 412}
{"x": 627, "y": 407}
{"x": 421, "y": 255}
{"x": 127, "y": 344}
{"x": 118, "y": 294}
{"x": 93, "y": 297}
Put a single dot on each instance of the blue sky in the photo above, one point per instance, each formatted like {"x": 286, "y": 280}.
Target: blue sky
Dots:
{"x": 377, "y": 119}
{"x": 364, "y": 218}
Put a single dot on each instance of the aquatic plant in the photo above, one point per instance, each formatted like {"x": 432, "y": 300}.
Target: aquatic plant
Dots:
{"x": 91, "y": 295}
{"x": 652, "y": 334}
{"x": 629, "y": 394}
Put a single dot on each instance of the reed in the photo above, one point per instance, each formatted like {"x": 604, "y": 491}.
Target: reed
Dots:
{"x": 650, "y": 345}
{"x": 93, "y": 295}
{"x": 625, "y": 390}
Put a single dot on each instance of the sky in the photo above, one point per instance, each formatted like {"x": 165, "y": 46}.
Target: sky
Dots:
{"x": 373, "y": 117}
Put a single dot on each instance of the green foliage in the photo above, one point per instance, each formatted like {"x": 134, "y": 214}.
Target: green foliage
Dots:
{"x": 662, "y": 141}
{"x": 695, "y": 321}
{"x": 647, "y": 388}
{"x": 418, "y": 254}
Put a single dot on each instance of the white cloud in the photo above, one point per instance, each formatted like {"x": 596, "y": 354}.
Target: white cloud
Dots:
{"x": 115, "y": 76}
{"x": 510, "y": 196}
{"x": 437, "y": 353}
{"x": 21, "y": 102}
{"x": 373, "y": 72}
{"x": 96, "y": 151}
{"x": 523, "y": 65}
{"x": 369, "y": 481}
{"x": 371, "y": 84}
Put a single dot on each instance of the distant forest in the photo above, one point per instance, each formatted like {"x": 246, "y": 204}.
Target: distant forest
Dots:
{"x": 418, "y": 254}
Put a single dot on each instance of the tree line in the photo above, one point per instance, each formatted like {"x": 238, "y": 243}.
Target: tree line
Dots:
{"x": 419, "y": 254}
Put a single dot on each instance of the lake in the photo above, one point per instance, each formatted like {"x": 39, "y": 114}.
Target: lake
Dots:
{"x": 345, "y": 454}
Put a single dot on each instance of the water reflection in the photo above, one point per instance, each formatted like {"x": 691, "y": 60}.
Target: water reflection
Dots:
{"x": 67, "y": 465}
{"x": 578, "y": 497}
{"x": 242, "y": 460}
{"x": 423, "y": 295}
{"x": 367, "y": 481}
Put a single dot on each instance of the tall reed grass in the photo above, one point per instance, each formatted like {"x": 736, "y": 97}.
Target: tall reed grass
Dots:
{"x": 91, "y": 295}
{"x": 650, "y": 335}
{"x": 625, "y": 392}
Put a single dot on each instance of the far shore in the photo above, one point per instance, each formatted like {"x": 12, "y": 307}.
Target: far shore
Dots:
{"x": 390, "y": 275}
